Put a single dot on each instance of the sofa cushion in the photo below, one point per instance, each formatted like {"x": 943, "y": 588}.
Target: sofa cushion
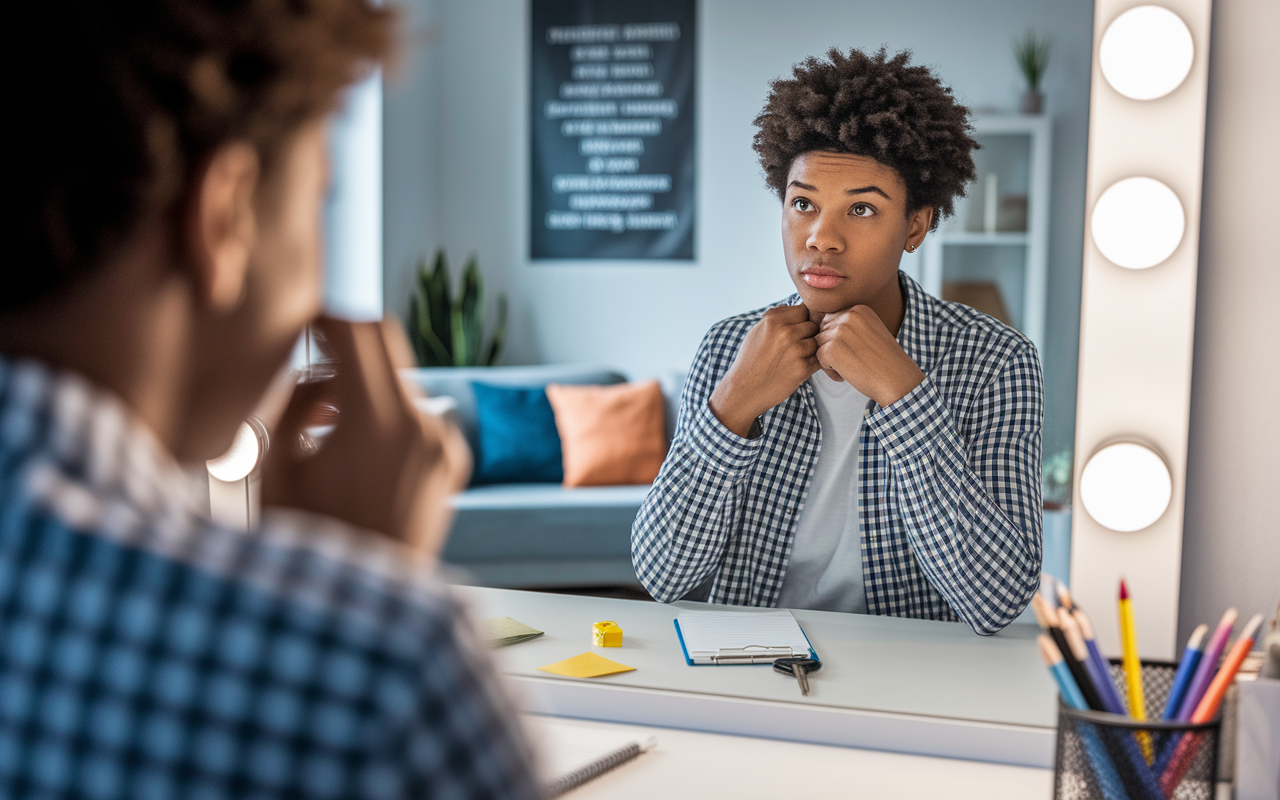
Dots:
{"x": 610, "y": 435}
{"x": 518, "y": 442}
{"x": 456, "y": 382}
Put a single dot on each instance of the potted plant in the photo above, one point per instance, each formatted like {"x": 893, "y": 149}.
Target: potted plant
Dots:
{"x": 1032, "y": 54}
{"x": 449, "y": 332}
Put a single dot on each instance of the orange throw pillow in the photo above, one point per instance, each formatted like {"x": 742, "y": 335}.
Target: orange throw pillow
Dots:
{"x": 610, "y": 435}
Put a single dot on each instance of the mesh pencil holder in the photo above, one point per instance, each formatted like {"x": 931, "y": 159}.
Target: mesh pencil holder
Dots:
{"x": 1114, "y": 757}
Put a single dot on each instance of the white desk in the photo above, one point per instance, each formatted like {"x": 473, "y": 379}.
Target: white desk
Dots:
{"x": 911, "y": 686}
{"x": 690, "y": 764}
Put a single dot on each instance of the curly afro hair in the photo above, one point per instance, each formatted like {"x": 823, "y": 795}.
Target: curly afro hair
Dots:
{"x": 871, "y": 105}
{"x": 121, "y": 102}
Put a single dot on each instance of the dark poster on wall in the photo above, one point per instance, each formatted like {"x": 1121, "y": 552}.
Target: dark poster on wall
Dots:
{"x": 611, "y": 129}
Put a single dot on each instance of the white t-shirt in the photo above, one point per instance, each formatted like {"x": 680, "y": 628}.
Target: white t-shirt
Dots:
{"x": 825, "y": 570}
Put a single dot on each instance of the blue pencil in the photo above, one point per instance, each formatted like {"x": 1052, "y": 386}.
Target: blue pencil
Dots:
{"x": 1108, "y": 781}
{"x": 1106, "y": 686}
{"x": 1186, "y": 668}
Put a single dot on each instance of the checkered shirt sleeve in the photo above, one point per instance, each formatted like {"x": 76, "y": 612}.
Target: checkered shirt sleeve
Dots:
{"x": 148, "y": 653}
{"x": 968, "y": 504}
{"x": 949, "y": 495}
{"x": 686, "y": 526}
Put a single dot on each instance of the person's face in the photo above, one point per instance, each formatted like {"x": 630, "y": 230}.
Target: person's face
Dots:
{"x": 844, "y": 227}
{"x": 242, "y": 351}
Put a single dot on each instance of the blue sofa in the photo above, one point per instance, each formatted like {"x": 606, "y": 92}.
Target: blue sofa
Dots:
{"x": 537, "y": 535}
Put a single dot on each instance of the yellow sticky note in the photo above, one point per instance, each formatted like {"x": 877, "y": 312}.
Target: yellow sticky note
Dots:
{"x": 587, "y": 665}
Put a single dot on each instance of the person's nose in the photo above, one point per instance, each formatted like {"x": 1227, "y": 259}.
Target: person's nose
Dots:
{"x": 824, "y": 235}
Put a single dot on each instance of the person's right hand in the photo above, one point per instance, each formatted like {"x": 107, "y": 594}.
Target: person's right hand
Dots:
{"x": 777, "y": 355}
{"x": 386, "y": 467}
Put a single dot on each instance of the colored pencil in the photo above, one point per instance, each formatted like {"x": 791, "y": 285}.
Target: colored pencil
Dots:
{"x": 1186, "y": 670}
{"x": 1048, "y": 619}
{"x": 1064, "y": 596}
{"x": 1110, "y": 695}
{"x": 1199, "y": 683}
{"x": 1212, "y": 699}
{"x": 1131, "y": 763}
{"x": 1099, "y": 679}
{"x": 1105, "y": 771}
{"x": 1208, "y": 664}
{"x": 1133, "y": 669}
{"x": 1208, "y": 707}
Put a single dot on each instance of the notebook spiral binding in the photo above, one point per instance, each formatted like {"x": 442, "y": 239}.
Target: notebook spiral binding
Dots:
{"x": 595, "y": 769}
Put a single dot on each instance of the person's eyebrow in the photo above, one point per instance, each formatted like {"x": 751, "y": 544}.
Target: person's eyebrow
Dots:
{"x": 868, "y": 190}
{"x": 860, "y": 190}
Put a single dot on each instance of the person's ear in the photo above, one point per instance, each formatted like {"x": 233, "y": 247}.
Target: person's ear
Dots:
{"x": 222, "y": 225}
{"x": 918, "y": 227}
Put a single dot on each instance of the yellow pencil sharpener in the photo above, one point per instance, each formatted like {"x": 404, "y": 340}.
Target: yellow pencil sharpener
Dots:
{"x": 607, "y": 634}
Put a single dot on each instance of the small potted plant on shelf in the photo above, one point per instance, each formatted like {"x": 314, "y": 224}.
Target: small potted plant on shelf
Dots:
{"x": 449, "y": 332}
{"x": 1032, "y": 54}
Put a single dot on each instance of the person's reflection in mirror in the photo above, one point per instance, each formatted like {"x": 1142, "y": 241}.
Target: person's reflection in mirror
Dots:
{"x": 169, "y": 159}
{"x": 860, "y": 446}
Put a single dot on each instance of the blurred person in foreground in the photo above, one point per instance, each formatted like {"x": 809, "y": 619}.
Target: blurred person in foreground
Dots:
{"x": 169, "y": 162}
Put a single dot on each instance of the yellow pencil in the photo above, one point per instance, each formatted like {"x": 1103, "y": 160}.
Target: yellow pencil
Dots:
{"x": 1133, "y": 669}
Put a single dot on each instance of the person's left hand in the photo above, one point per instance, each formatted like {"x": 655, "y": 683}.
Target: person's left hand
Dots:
{"x": 854, "y": 345}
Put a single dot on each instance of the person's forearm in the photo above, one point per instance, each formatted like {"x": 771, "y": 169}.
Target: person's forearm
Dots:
{"x": 732, "y": 410}
{"x": 680, "y": 534}
{"x": 981, "y": 555}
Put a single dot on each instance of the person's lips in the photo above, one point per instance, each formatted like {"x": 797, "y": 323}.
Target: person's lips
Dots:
{"x": 821, "y": 277}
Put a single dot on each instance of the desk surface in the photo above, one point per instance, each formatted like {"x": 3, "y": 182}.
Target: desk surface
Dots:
{"x": 932, "y": 688}
{"x": 752, "y": 768}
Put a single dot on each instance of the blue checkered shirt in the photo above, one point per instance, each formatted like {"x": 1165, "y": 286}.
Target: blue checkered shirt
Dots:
{"x": 949, "y": 501}
{"x": 146, "y": 653}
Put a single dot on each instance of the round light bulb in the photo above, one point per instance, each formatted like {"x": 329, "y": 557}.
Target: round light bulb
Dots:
{"x": 1126, "y": 487}
{"x": 1138, "y": 223}
{"x": 1146, "y": 52}
{"x": 246, "y": 451}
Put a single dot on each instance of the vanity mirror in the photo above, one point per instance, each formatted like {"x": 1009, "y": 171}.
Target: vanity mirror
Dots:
{"x": 456, "y": 150}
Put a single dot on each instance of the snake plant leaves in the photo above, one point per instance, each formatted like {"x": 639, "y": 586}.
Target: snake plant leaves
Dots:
{"x": 448, "y": 331}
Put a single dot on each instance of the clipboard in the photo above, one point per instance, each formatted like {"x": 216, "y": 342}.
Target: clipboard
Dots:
{"x": 722, "y": 638}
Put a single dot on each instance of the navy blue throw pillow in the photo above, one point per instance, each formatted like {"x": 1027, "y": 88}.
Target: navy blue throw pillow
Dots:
{"x": 518, "y": 441}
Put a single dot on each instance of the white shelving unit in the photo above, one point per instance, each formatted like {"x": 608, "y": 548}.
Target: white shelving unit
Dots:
{"x": 1014, "y": 256}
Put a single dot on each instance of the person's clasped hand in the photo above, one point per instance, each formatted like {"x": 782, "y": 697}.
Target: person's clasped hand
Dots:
{"x": 789, "y": 344}
{"x": 854, "y": 345}
{"x": 386, "y": 466}
{"x": 778, "y": 354}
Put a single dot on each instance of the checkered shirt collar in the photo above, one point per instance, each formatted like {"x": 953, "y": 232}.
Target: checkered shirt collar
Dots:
{"x": 56, "y": 426}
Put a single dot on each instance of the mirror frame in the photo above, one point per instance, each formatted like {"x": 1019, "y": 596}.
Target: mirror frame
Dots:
{"x": 1136, "y": 336}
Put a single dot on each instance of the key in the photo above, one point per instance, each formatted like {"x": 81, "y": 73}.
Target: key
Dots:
{"x": 799, "y": 668}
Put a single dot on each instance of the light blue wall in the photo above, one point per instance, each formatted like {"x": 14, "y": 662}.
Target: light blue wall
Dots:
{"x": 457, "y": 168}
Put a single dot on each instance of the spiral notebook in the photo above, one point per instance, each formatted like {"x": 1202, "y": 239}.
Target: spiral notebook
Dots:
{"x": 741, "y": 637}
{"x": 572, "y": 757}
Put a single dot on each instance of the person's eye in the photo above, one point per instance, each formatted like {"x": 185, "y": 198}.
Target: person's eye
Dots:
{"x": 862, "y": 210}
{"x": 801, "y": 204}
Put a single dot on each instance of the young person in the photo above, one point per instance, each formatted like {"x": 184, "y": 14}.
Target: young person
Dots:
{"x": 169, "y": 162}
{"x": 860, "y": 446}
